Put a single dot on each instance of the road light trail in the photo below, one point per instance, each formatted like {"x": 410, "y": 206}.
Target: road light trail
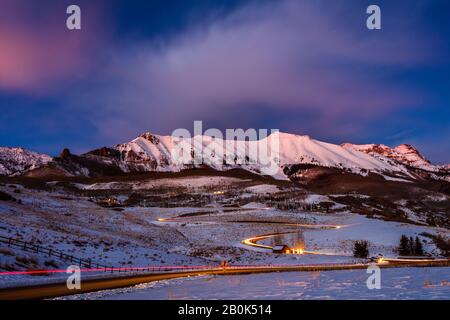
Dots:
{"x": 253, "y": 241}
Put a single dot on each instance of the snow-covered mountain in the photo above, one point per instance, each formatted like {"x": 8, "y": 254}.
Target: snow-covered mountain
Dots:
{"x": 18, "y": 160}
{"x": 155, "y": 153}
{"x": 151, "y": 152}
{"x": 404, "y": 153}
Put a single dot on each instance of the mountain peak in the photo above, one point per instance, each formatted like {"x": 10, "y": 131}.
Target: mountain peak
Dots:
{"x": 150, "y": 137}
{"x": 404, "y": 153}
{"x": 14, "y": 160}
{"x": 411, "y": 153}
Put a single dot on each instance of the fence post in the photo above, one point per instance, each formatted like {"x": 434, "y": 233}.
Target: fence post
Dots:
{"x": 50, "y": 252}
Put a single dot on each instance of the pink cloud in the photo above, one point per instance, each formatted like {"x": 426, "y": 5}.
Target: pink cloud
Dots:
{"x": 37, "y": 52}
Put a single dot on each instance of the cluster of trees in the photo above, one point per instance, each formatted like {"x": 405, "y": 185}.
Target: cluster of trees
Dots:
{"x": 361, "y": 249}
{"x": 410, "y": 246}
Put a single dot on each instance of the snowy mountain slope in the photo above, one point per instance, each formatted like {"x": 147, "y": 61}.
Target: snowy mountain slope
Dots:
{"x": 19, "y": 160}
{"x": 147, "y": 153}
{"x": 404, "y": 153}
{"x": 296, "y": 149}
{"x": 153, "y": 153}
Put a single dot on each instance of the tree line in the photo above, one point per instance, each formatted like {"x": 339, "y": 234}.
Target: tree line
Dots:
{"x": 410, "y": 246}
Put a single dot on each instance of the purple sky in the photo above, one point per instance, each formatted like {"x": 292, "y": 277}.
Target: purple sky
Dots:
{"x": 307, "y": 67}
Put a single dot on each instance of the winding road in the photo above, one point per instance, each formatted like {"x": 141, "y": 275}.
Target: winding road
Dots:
{"x": 253, "y": 241}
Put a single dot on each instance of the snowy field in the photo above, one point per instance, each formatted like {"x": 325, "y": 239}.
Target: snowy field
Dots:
{"x": 135, "y": 236}
{"x": 404, "y": 283}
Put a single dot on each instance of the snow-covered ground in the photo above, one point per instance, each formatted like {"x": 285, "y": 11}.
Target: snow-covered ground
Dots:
{"x": 263, "y": 188}
{"x": 403, "y": 283}
{"x": 139, "y": 236}
{"x": 190, "y": 183}
{"x": 383, "y": 236}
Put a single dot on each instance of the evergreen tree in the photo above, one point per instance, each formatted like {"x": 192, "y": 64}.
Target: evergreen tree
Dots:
{"x": 411, "y": 246}
{"x": 361, "y": 249}
{"x": 418, "y": 247}
{"x": 404, "y": 249}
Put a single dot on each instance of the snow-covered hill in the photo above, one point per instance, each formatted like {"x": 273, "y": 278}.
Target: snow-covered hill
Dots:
{"x": 18, "y": 160}
{"x": 151, "y": 152}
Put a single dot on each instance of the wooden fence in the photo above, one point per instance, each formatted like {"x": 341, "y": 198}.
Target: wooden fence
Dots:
{"x": 32, "y": 247}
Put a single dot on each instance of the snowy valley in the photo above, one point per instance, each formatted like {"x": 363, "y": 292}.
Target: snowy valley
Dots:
{"x": 129, "y": 206}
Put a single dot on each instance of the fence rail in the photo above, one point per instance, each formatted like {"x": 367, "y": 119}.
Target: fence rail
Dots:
{"x": 32, "y": 247}
{"x": 87, "y": 263}
{"x": 93, "y": 266}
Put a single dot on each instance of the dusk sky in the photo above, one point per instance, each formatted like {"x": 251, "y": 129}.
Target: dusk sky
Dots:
{"x": 306, "y": 67}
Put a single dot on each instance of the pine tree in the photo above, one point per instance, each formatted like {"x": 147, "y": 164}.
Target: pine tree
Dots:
{"x": 418, "y": 247}
{"x": 361, "y": 249}
{"x": 412, "y": 249}
{"x": 404, "y": 249}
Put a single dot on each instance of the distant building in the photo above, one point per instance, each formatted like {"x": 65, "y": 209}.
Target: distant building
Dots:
{"x": 281, "y": 249}
{"x": 108, "y": 202}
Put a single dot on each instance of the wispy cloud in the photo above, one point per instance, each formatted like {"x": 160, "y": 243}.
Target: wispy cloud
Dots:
{"x": 292, "y": 56}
